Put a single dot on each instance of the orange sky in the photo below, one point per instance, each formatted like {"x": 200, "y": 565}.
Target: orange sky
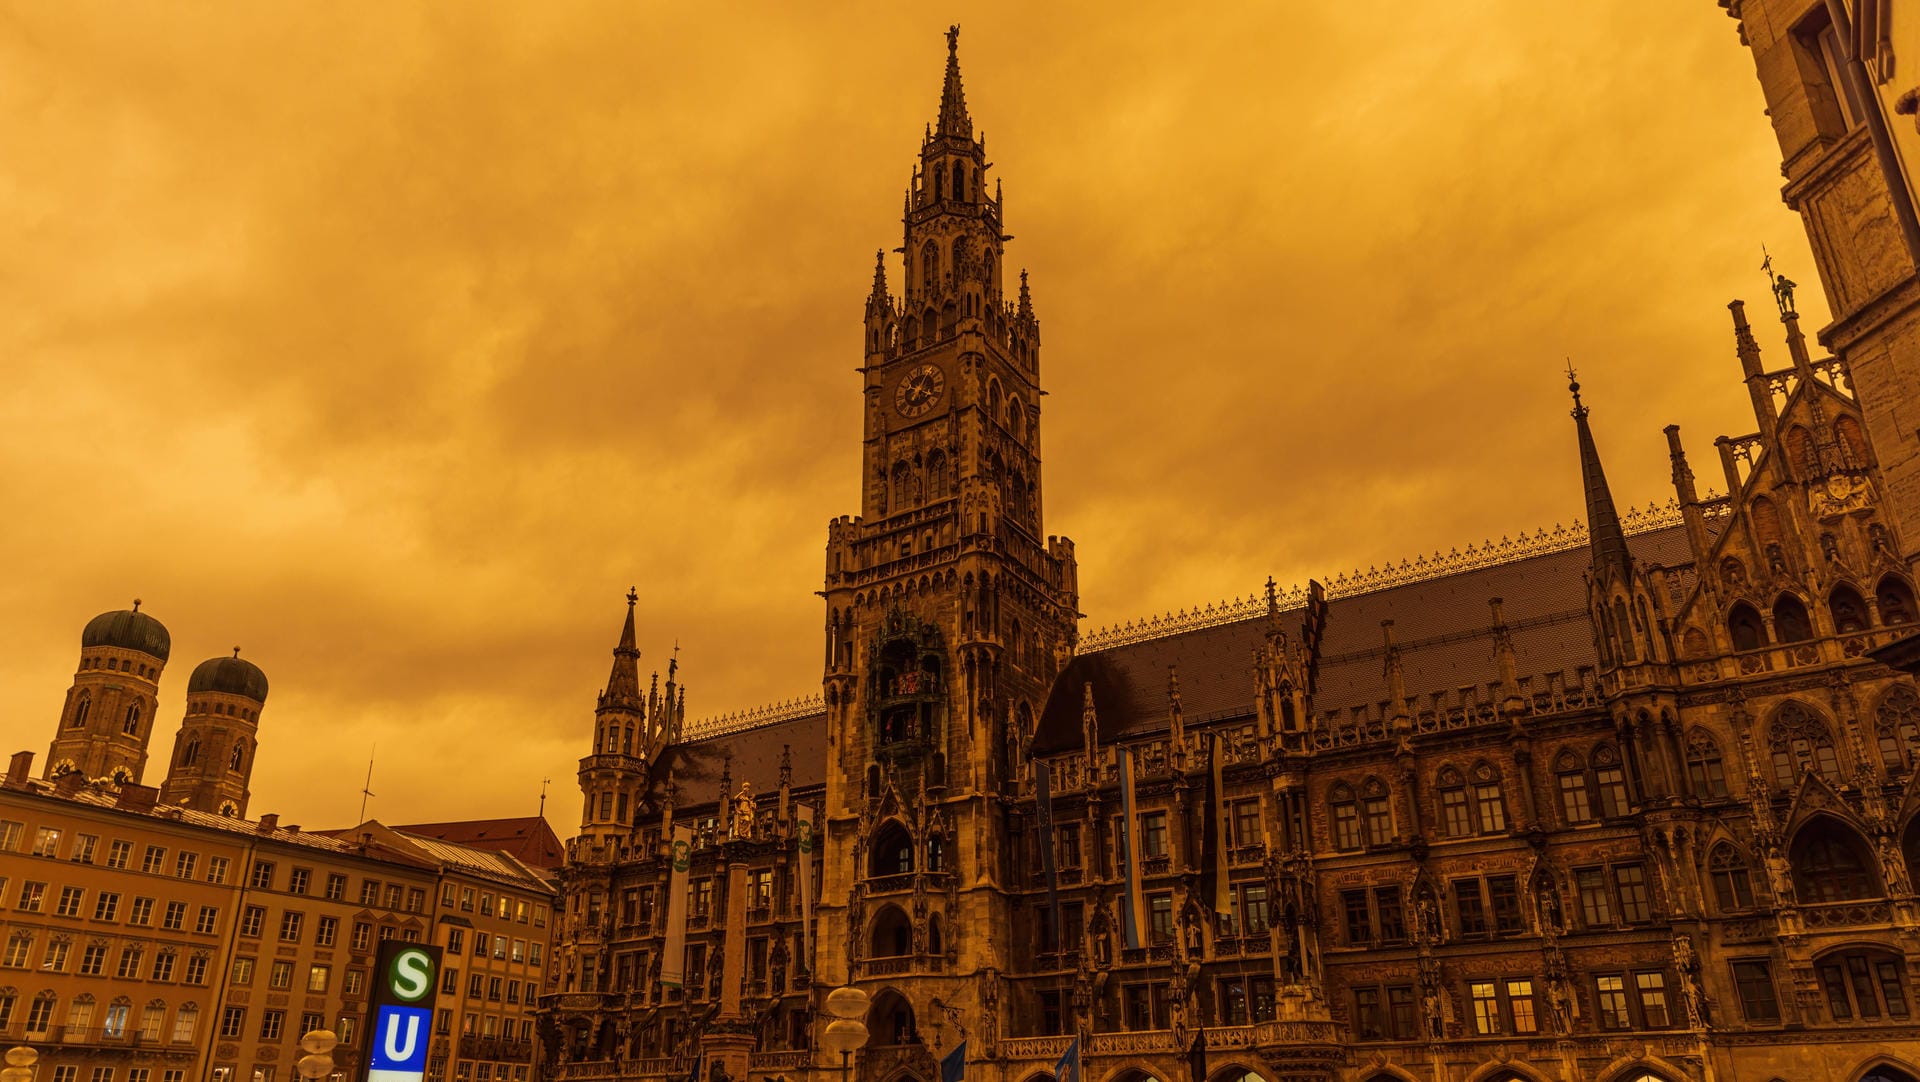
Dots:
{"x": 392, "y": 343}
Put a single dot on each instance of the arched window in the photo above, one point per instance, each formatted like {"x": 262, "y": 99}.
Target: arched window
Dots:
{"x": 1346, "y": 817}
{"x": 1852, "y": 441}
{"x": 190, "y": 754}
{"x": 40, "y": 1015}
{"x": 1830, "y": 864}
{"x": 936, "y": 475}
{"x": 1489, "y": 802}
{"x": 239, "y": 756}
{"x": 892, "y": 850}
{"x": 1745, "y": 628}
{"x": 1610, "y": 782}
{"x": 1456, "y": 818}
{"x": 929, "y": 266}
{"x": 131, "y": 726}
{"x": 1790, "y": 620}
{"x": 1896, "y": 600}
{"x": 1897, "y": 725}
{"x": 1800, "y": 739}
{"x": 80, "y": 712}
{"x": 993, "y": 398}
{"x": 936, "y": 853}
{"x": 892, "y": 934}
{"x": 1694, "y": 645}
{"x": 1575, "y": 802}
{"x": 1848, "y": 608}
{"x": 153, "y": 1021}
{"x": 1732, "y": 879}
{"x": 1016, "y": 418}
{"x": 1623, "y": 626}
{"x": 1705, "y": 769}
{"x": 959, "y": 181}
{"x": 1863, "y": 983}
{"x": 934, "y": 944}
{"x": 185, "y": 1021}
{"x": 902, "y": 486}
{"x": 1802, "y": 453}
{"x": 1376, "y": 812}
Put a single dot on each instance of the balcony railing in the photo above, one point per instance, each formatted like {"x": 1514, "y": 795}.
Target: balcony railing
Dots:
{"x": 1847, "y": 914}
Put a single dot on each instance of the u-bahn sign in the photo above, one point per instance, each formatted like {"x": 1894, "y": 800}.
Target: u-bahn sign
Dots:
{"x": 406, "y": 976}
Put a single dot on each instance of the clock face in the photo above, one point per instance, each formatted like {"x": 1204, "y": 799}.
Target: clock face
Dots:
{"x": 919, "y": 390}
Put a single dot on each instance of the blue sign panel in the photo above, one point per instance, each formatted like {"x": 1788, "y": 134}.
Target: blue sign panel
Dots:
{"x": 400, "y": 1039}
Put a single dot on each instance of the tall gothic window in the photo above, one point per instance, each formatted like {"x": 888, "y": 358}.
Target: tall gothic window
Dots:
{"x": 1848, "y": 608}
{"x": 1830, "y": 864}
{"x": 1896, "y": 600}
{"x": 1897, "y": 725}
{"x": 1346, "y": 817}
{"x": 131, "y": 726}
{"x": 80, "y": 712}
{"x": 1732, "y": 879}
{"x": 929, "y": 266}
{"x": 1800, "y": 739}
{"x": 1705, "y": 769}
{"x": 1745, "y": 628}
{"x": 1790, "y": 620}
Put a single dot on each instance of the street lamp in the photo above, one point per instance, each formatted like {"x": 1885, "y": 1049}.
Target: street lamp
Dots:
{"x": 20, "y": 1060}
{"x": 318, "y": 1061}
{"x": 847, "y": 1033}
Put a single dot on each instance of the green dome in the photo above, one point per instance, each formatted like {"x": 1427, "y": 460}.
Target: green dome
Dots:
{"x": 231, "y": 675}
{"x": 129, "y": 629}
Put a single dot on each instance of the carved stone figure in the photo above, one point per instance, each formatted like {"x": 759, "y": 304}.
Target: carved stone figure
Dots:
{"x": 1686, "y": 964}
{"x": 743, "y": 812}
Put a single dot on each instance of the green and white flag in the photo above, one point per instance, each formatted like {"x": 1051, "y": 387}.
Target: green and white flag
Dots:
{"x": 673, "y": 967}
{"x": 804, "y": 843}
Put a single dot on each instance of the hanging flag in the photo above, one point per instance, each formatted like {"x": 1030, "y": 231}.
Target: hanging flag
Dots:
{"x": 804, "y": 843}
{"x": 1044, "y": 799}
{"x": 1068, "y": 1069}
{"x": 1197, "y": 1057}
{"x": 953, "y": 1067}
{"x": 1213, "y": 833}
{"x": 673, "y": 966}
{"x": 1132, "y": 911}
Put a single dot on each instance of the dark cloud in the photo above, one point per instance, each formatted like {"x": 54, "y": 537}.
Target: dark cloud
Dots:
{"x": 394, "y": 344}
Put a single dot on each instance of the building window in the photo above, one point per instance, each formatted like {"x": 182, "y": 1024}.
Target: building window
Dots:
{"x": 1455, "y": 818}
{"x": 1520, "y": 1004}
{"x": 1705, "y": 770}
{"x": 1631, "y": 879}
{"x": 1467, "y": 903}
{"x": 297, "y": 880}
{"x": 1611, "y": 999}
{"x": 1067, "y": 837}
{"x": 1369, "y": 1020}
{"x": 1160, "y": 918}
{"x": 1359, "y": 919}
{"x": 1492, "y": 806}
{"x": 1244, "y": 817}
{"x": 1390, "y": 919}
{"x": 1651, "y": 990}
{"x": 175, "y": 916}
{"x": 1753, "y": 981}
{"x": 1610, "y": 780}
{"x": 325, "y": 931}
{"x": 1503, "y": 897}
{"x": 1799, "y": 740}
{"x": 1596, "y": 906}
{"x": 1830, "y": 864}
{"x": 185, "y": 865}
{"x": 336, "y": 887}
{"x": 1252, "y": 898}
{"x": 262, "y": 877}
{"x": 252, "y": 919}
{"x": 290, "y": 927}
{"x": 207, "y": 921}
{"x": 1153, "y": 835}
{"x": 270, "y": 1023}
{"x": 1378, "y": 814}
{"x": 1863, "y": 985}
{"x": 1346, "y": 819}
{"x": 1572, "y": 775}
{"x": 281, "y": 975}
{"x": 1486, "y": 1007}
{"x": 196, "y": 970}
{"x": 233, "y": 1022}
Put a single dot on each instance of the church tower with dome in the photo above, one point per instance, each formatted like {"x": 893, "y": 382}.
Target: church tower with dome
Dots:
{"x": 108, "y": 716}
{"x": 213, "y": 754}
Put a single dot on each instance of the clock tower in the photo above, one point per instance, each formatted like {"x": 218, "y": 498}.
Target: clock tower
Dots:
{"x": 949, "y": 609}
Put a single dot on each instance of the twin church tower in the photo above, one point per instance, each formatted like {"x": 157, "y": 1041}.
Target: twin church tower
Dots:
{"x": 114, "y": 704}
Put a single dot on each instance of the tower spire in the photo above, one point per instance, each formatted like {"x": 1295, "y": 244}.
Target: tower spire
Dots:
{"x": 623, "y": 683}
{"x": 1604, "y": 535}
{"x": 954, "y": 120}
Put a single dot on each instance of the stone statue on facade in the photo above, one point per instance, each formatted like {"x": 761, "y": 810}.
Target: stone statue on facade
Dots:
{"x": 742, "y": 826}
{"x": 1687, "y": 965}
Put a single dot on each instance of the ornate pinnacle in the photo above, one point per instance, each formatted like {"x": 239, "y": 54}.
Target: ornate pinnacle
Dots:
{"x": 1573, "y": 385}
{"x": 953, "y": 104}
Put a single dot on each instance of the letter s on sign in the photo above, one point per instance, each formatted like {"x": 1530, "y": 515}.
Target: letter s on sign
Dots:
{"x": 411, "y": 976}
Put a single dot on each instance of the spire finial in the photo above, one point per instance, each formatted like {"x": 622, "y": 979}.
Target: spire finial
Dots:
{"x": 236, "y": 651}
{"x": 953, "y": 40}
{"x": 1573, "y": 385}
{"x": 136, "y": 604}
{"x": 633, "y": 595}
{"x": 954, "y": 121}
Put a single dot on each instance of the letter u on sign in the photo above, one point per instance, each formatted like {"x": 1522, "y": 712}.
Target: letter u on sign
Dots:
{"x": 400, "y": 1044}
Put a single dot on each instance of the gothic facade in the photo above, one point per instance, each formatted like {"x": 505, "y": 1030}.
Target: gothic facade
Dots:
{"x": 1628, "y": 802}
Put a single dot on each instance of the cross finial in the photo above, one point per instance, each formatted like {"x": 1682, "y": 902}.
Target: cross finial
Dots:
{"x": 633, "y": 595}
{"x": 1573, "y": 385}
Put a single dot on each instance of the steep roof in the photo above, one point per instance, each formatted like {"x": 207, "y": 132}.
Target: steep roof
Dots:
{"x": 1443, "y": 626}
{"x": 528, "y": 839}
